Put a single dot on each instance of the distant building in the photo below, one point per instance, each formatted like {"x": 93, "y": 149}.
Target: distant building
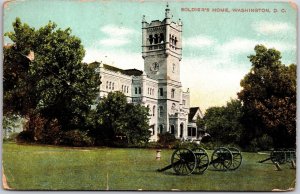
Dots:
{"x": 159, "y": 86}
{"x": 193, "y": 131}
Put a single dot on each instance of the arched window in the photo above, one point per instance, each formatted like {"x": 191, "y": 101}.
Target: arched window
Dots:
{"x": 161, "y": 38}
{"x": 172, "y": 93}
{"x": 173, "y": 106}
{"x": 181, "y": 130}
{"x": 161, "y": 111}
{"x": 153, "y": 111}
{"x": 155, "y": 38}
{"x": 150, "y": 39}
{"x": 172, "y": 39}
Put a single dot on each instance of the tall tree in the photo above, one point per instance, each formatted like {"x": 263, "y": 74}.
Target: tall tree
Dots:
{"x": 44, "y": 75}
{"x": 269, "y": 98}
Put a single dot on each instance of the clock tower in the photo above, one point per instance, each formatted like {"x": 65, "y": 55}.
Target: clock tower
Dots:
{"x": 162, "y": 51}
{"x": 162, "y": 48}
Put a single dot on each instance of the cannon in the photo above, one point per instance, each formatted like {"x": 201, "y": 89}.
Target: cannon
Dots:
{"x": 281, "y": 156}
{"x": 186, "y": 161}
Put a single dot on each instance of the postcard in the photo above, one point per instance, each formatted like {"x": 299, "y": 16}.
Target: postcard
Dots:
{"x": 143, "y": 95}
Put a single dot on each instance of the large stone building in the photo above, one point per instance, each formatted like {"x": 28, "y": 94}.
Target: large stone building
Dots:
{"x": 159, "y": 86}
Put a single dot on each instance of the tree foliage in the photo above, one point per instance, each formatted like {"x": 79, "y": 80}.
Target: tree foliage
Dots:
{"x": 119, "y": 121}
{"x": 269, "y": 98}
{"x": 55, "y": 84}
{"x": 223, "y": 123}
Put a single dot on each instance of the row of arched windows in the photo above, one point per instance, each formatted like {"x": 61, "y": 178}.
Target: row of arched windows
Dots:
{"x": 156, "y": 38}
{"x": 152, "y": 112}
{"x": 173, "y": 40}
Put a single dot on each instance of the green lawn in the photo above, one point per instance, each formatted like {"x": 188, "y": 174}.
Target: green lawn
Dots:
{"x": 29, "y": 167}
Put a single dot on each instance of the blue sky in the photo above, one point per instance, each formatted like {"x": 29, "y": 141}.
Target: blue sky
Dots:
{"x": 215, "y": 44}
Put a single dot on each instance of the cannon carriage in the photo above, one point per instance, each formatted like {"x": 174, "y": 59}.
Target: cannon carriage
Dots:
{"x": 281, "y": 156}
{"x": 186, "y": 161}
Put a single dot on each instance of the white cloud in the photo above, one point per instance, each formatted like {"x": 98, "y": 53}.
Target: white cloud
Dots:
{"x": 120, "y": 59}
{"x": 113, "y": 42}
{"x": 198, "y": 41}
{"x": 117, "y": 31}
{"x": 115, "y": 36}
{"x": 267, "y": 27}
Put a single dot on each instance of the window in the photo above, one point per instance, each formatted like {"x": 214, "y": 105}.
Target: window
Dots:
{"x": 189, "y": 131}
{"x": 150, "y": 39}
{"x": 155, "y": 38}
{"x": 153, "y": 111}
{"x": 172, "y": 93}
{"x": 113, "y": 86}
{"x": 135, "y": 90}
{"x": 194, "y": 132}
{"x": 161, "y": 128}
{"x": 161, "y": 38}
{"x": 173, "y": 68}
{"x": 122, "y": 88}
{"x": 161, "y": 91}
{"x": 173, "y": 106}
{"x": 183, "y": 102}
{"x": 172, "y": 129}
{"x": 175, "y": 41}
{"x": 181, "y": 130}
{"x": 127, "y": 88}
{"x": 161, "y": 111}
{"x": 107, "y": 85}
{"x": 140, "y": 90}
{"x": 153, "y": 131}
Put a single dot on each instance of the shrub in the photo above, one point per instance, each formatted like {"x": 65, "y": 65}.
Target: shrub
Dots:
{"x": 25, "y": 137}
{"x": 75, "y": 138}
{"x": 166, "y": 139}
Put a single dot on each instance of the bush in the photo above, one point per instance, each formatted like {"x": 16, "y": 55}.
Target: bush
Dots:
{"x": 167, "y": 140}
{"x": 25, "y": 137}
{"x": 75, "y": 138}
{"x": 12, "y": 137}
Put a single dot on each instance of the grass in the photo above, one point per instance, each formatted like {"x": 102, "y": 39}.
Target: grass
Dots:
{"x": 32, "y": 167}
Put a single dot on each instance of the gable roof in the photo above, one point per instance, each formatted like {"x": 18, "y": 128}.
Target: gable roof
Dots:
{"x": 129, "y": 72}
{"x": 193, "y": 111}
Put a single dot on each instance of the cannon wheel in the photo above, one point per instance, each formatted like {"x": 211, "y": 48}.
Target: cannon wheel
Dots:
{"x": 183, "y": 161}
{"x": 290, "y": 154}
{"x": 236, "y": 158}
{"x": 202, "y": 160}
{"x": 221, "y": 159}
{"x": 278, "y": 156}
